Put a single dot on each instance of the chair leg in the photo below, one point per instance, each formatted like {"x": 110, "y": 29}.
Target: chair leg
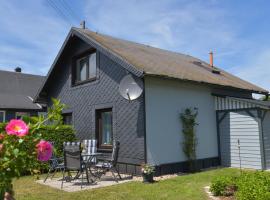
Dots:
{"x": 118, "y": 173}
{"x": 87, "y": 175}
{"x": 53, "y": 174}
{"x": 115, "y": 178}
{"x": 82, "y": 180}
{"x": 64, "y": 172}
{"x": 48, "y": 174}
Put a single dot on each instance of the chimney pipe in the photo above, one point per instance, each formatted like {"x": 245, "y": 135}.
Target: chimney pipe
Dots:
{"x": 18, "y": 69}
{"x": 82, "y": 24}
{"x": 211, "y": 58}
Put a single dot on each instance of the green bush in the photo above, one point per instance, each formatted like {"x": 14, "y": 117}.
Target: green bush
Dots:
{"x": 57, "y": 134}
{"x": 62, "y": 133}
{"x": 253, "y": 185}
{"x": 223, "y": 186}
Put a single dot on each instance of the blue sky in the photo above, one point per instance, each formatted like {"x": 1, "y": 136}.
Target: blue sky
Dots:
{"x": 32, "y": 31}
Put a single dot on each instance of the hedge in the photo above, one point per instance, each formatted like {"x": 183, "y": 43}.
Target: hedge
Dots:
{"x": 62, "y": 133}
{"x": 58, "y": 135}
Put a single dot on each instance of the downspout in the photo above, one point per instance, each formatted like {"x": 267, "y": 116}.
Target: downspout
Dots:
{"x": 144, "y": 105}
{"x": 259, "y": 112}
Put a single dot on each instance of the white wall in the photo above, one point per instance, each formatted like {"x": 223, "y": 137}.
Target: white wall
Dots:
{"x": 164, "y": 101}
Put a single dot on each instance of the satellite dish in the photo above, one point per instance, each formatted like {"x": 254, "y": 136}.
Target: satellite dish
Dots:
{"x": 130, "y": 88}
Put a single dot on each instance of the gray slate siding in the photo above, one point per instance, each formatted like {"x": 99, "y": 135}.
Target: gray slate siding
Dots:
{"x": 266, "y": 134}
{"x": 83, "y": 100}
{"x": 240, "y": 125}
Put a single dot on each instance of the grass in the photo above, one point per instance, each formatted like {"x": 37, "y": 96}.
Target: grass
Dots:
{"x": 187, "y": 187}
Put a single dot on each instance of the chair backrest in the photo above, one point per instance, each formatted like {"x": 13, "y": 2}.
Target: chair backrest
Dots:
{"x": 115, "y": 152}
{"x": 90, "y": 146}
{"x": 72, "y": 156}
{"x": 53, "y": 161}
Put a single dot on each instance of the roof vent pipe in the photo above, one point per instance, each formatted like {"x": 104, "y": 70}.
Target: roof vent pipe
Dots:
{"x": 82, "y": 24}
{"x": 18, "y": 69}
{"x": 211, "y": 58}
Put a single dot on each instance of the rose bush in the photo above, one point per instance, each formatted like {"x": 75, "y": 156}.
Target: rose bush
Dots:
{"x": 21, "y": 147}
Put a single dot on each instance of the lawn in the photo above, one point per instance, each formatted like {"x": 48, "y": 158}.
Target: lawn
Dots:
{"x": 187, "y": 187}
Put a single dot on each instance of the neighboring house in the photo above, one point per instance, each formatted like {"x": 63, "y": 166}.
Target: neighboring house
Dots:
{"x": 86, "y": 75}
{"x": 17, "y": 91}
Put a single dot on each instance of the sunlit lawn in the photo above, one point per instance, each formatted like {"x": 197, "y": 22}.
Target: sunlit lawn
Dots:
{"x": 187, "y": 187}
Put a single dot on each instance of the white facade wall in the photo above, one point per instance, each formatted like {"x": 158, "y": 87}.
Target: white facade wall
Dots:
{"x": 164, "y": 101}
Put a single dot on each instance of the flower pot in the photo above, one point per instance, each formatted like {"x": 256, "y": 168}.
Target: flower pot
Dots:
{"x": 148, "y": 178}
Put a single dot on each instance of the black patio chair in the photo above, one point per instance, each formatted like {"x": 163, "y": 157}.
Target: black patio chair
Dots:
{"x": 73, "y": 161}
{"x": 55, "y": 164}
{"x": 103, "y": 165}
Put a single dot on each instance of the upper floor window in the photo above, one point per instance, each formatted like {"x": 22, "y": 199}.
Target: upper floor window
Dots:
{"x": 85, "y": 68}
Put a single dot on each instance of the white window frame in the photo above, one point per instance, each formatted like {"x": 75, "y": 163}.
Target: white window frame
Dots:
{"x": 4, "y": 116}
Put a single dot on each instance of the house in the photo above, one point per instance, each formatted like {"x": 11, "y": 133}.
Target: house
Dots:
{"x": 16, "y": 94}
{"x": 86, "y": 75}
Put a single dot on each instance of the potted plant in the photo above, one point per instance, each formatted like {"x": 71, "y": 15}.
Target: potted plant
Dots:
{"x": 148, "y": 173}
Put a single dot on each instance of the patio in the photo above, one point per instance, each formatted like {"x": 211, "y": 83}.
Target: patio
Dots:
{"x": 75, "y": 185}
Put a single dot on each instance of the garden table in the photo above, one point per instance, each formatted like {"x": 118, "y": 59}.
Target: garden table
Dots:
{"x": 89, "y": 157}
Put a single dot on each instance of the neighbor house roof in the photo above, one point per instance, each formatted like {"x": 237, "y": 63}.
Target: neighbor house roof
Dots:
{"x": 147, "y": 60}
{"x": 17, "y": 90}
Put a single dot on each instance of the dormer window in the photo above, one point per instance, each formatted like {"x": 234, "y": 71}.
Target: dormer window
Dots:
{"x": 85, "y": 68}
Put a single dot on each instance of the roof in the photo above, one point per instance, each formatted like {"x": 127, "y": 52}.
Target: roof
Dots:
{"x": 147, "y": 60}
{"x": 18, "y": 90}
{"x": 155, "y": 61}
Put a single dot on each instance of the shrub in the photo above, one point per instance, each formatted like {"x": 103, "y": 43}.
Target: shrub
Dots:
{"x": 223, "y": 186}
{"x": 62, "y": 134}
{"x": 57, "y": 135}
{"x": 253, "y": 185}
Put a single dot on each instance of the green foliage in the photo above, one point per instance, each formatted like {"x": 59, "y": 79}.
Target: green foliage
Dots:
{"x": 253, "y": 185}
{"x": 188, "y": 119}
{"x": 248, "y": 185}
{"x": 223, "y": 186}
{"x": 19, "y": 153}
{"x": 57, "y": 135}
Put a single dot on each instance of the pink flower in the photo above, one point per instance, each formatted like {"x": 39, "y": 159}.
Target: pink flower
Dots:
{"x": 17, "y": 127}
{"x": 44, "y": 150}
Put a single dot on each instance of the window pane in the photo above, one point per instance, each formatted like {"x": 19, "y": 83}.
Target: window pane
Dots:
{"x": 1, "y": 116}
{"x": 20, "y": 115}
{"x": 81, "y": 69}
{"x": 92, "y": 65}
{"x": 67, "y": 118}
{"x": 106, "y": 127}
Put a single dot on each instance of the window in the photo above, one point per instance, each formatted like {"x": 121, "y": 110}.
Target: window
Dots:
{"x": 85, "y": 68}
{"x": 104, "y": 128}
{"x": 2, "y": 116}
{"x": 20, "y": 115}
{"x": 67, "y": 118}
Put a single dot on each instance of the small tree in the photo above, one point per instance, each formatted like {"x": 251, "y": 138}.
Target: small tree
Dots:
{"x": 188, "y": 119}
